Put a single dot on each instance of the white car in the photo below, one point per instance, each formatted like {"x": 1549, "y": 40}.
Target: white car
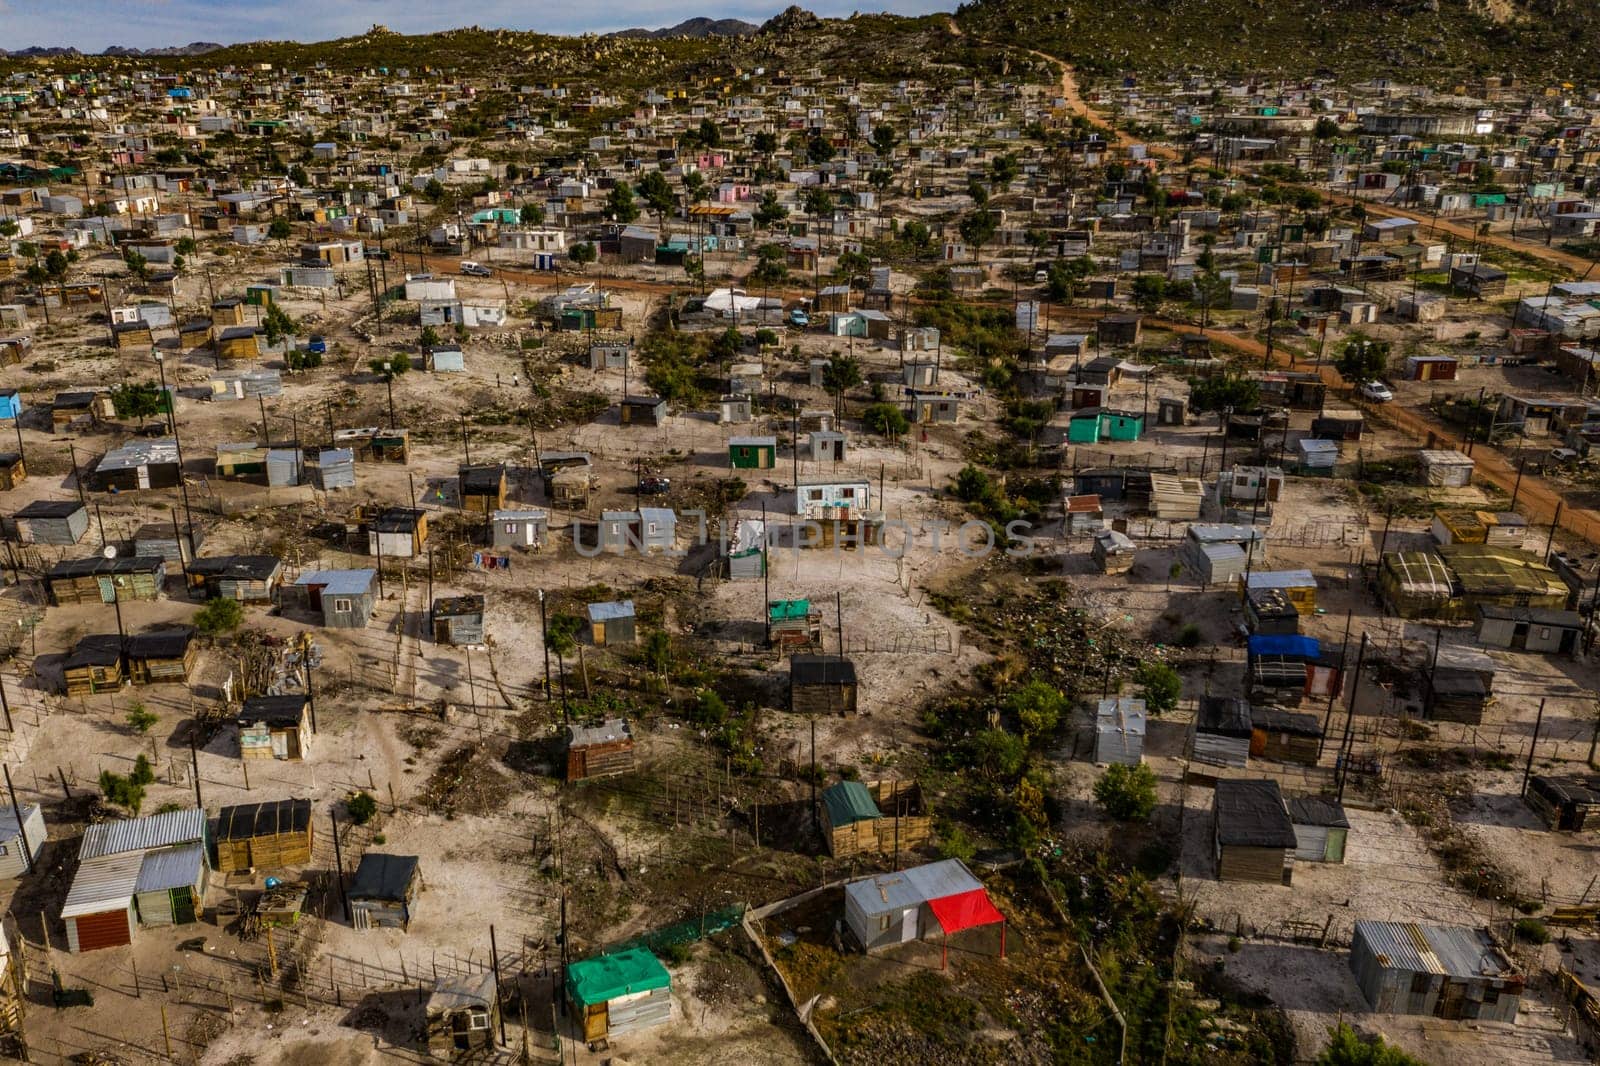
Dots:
{"x": 475, "y": 270}
{"x": 1376, "y": 391}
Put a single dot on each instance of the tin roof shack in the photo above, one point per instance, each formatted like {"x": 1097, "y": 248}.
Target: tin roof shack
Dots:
{"x": 1285, "y": 736}
{"x": 1222, "y": 732}
{"x": 1082, "y": 514}
{"x": 1460, "y": 684}
{"x": 165, "y": 541}
{"x": 881, "y": 816}
{"x": 275, "y": 835}
{"x": 1253, "y": 836}
{"x": 642, "y": 411}
{"x": 603, "y": 750}
{"x": 1338, "y": 423}
{"x": 822, "y": 684}
{"x": 1489, "y": 574}
{"x": 1449, "y": 972}
{"x": 616, "y": 995}
{"x": 52, "y": 522}
{"x": 95, "y": 664}
{"x": 1447, "y": 469}
{"x": 518, "y": 528}
{"x": 461, "y": 1015}
{"x": 246, "y": 578}
{"x": 458, "y": 620}
{"x": 101, "y": 580}
{"x": 1528, "y": 629}
{"x": 1567, "y": 804}
{"x": 13, "y": 470}
{"x": 397, "y": 533}
{"x": 1113, "y": 551}
{"x": 138, "y": 464}
{"x": 1299, "y": 586}
{"x": 612, "y": 623}
{"x": 171, "y": 888}
{"x": 346, "y": 599}
{"x": 1219, "y": 553}
{"x": 159, "y": 859}
{"x": 275, "y": 727}
{"x": 79, "y": 409}
{"x": 934, "y": 900}
{"x": 483, "y": 488}
{"x": 164, "y": 656}
{"x": 1320, "y": 828}
{"x": 20, "y": 842}
{"x": 1119, "y": 728}
{"x": 383, "y": 891}
{"x": 98, "y": 911}
{"x": 752, "y": 453}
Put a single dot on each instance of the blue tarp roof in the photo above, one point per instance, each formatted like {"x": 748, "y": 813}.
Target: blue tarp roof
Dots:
{"x": 1295, "y": 646}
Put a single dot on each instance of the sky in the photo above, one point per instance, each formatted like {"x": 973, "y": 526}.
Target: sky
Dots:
{"x": 93, "y": 25}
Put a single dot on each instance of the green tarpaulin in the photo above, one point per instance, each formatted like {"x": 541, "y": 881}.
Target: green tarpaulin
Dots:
{"x": 849, "y": 802}
{"x": 785, "y": 610}
{"x": 602, "y": 979}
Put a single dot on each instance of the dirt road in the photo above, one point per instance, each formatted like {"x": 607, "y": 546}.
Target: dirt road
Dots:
{"x": 1468, "y": 231}
{"x": 1536, "y": 498}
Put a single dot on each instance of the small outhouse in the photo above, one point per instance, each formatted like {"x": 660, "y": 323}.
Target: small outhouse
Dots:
{"x": 1119, "y": 728}
{"x": 1320, "y": 828}
{"x": 611, "y": 623}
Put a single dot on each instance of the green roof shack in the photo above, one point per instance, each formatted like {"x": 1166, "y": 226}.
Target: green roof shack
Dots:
{"x": 620, "y": 994}
{"x": 849, "y": 818}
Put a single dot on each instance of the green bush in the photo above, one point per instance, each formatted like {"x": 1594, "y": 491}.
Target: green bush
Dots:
{"x": 1533, "y": 931}
{"x": 1128, "y": 793}
{"x": 1348, "y": 1049}
{"x": 361, "y": 807}
{"x": 1188, "y": 636}
{"x": 218, "y": 616}
{"x": 142, "y": 772}
{"x": 1159, "y": 686}
{"x": 1038, "y": 707}
{"x": 885, "y": 419}
{"x": 140, "y": 720}
{"x": 123, "y": 791}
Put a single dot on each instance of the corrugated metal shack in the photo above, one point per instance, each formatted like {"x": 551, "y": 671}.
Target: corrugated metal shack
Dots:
{"x": 458, "y": 620}
{"x": 822, "y": 684}
{"x": 462, "y": 1015}
{"x": 171, "y": 888}
{"x": 1449, "y": 972}
{"x": 1119, "y": 728}
{"x": 336, "y": 468}
{"x": 274, "y": 835}
{"x": 619, "y": 994}
{"x": 246, "y": 578}
{"x": 101, "y": 580}
{"x": 1254, "y": 838}
{"x": 1447, "y": 469}
{"x": 1222, "y": 731}
{"x": 1529, "y": 629}
{"x": 384, "y": 890}
{"x": 518, "y": 528}
{"x": 164, "y": 541}
{"x": 52, "y": 522}
{"x": 138, "y": 464}
{"x": 1219, "y": 553}
{"x": 1320, "y": 828}
{"x": 611, "y": 623}
{"x": 602, "y": 750}
{"x": 346, "y": 599}
{"x": 15, "y": 859}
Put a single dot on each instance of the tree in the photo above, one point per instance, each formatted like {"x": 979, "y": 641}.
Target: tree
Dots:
{"x": 696, "y": 187}
{"x": 56, "y": 264}
{"x": 434, "y": 190}
{"x": 137, "y": 265}
{"x": 765, "y": 142}
{"x": 218, "y": 616}
{"x": 658, "y": 651}
{"x": 361, "y": 808}
{"x": 1210, "y": 290}
{"x": 187, "y": 246}
{"x": 298, "y": 175}
{"x": 881, "y": 178}
{"x": 917, "y": 234}
{"x": 842, "y": 373}
{"x": 979, "y": 193}
{"x": 1325, "y": 128}
{"x": 582, "y": 253}
{"x": 1004, "y": 169}
{"x": 531, "y": 214}
{"x": 140, "y": 720}
{"x": 1159, "y": 686}
{"x": 657, "y": 194}
{"x": 1148, "y": 292}
{"x": 851, "y": 264}
{"x": 564, "y": 630}
{"x": 978, "y": 229}
{"x": 885, "y": 419}
{"x": 1230, "y": 390}
{"x": 726, "y": 344}
{"x": 884, "y": 138}
{"x": 770, "y": 268}
{"x": 769, "y": 211}
{"x": 8, "y": 228}
{"x": 619, "y": 203}
{"x": 137, "y": 399}
{"x": 997, "y": 755}
{"x": 123, "y": 791}
{"x": 819, "y": 149}
{"x": 1128, "y": 793}
{"x": 1064, "y": 276}
{"x": 1348, "y": 1049}
{"x": 277, "y": 324}
{"x": 279, "y": 229}
{"x": 1038, "y": 707}
{"x": 1363, "y": 359}
{"x": 513, "y": 172}
{"x": 818, "y": 201}
{"x": 710, "y": 133}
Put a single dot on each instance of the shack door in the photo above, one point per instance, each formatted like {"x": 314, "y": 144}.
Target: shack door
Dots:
{"x": 595, "y": 1022}
{"x": 182, "y": 906}
{"x": 143, "y": 473}
{"x": 108, "y": 589}
{"x": 1258, "y": 742}
{"x": 280, "y": 743}
{"x": 838, "y": 451}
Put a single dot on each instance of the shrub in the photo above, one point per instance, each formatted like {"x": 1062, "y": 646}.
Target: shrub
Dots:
{"x": 361, "y": 808}
{"x": 885, "y": 419}
{"x": 658, "y": 651}
{"x": 142, "y": 773}
{"x": 1159, "y": 686}
{"x": 140, "y": 720}
{"x": 218, "y": 616}
{"x": 1128, "y": 793}
{"x": 1038, "y": 707}
{"x": 1533, "y": 931}
{"x": 1348, "y": 1049}
{"x": 122, "y": 791}
{"x": 1188, "y": 636}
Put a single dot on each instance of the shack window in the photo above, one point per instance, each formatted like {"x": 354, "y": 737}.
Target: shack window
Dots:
{"x": 1544, "y": 632}
{"x": 883, "y": 924}
{"x": 341, "y": 604}
{"x": 478, "y": 1020}
{"x": 511, "y": 527}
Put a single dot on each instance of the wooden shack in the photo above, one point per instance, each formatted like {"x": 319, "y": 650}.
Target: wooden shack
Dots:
{"x": 101, "y": 580}
{"x": 822, "y": 684}
{"x": 1252, "y": 835}
{"x": 246, "y": 578}
{"x": 615, "y": 995}
{"x": 275, "y": 727}
{"x": 13, "y": 470}
{"x": 1285, "y": 736}
{"x": 397, "y": 533}
{"x": 793, "y": 623}
{"x": 94, "y": 665}
{"x": 482, "y": 488}
{"x": 462, "y": 1015}
{"x": 874, "y": 816}
{"x": 274, "y": 835}
{"x": 1222, "y": 731}
{"x": 1113, "y": 551}
{"x": 457, "y": 620}
{"x": 384, "y": 890}
{"x": 642, "y": 411}
{"x": 162, "y": 656}
{"x": 603, "y": 750}
{"x": 569, "y": 479}
{"x": 1566, "y": 804}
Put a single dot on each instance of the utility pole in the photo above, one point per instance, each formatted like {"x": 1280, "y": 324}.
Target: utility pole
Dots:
{"x": 1533, "y": 744}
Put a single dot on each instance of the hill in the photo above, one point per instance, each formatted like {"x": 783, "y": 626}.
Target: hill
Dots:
{"x": 696, "y": 27}
{"x": 1429, "y": 41}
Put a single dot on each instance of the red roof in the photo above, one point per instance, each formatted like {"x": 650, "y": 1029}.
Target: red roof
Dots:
{"x": 1083, "y": 504}
{"x": 966, "y": 910}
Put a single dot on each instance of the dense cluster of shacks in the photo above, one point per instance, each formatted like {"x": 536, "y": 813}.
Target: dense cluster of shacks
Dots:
{"x": 353, "y": 193}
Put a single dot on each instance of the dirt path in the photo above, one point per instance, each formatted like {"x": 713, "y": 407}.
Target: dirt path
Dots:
{"x": 1467, "y": 231}
{"x": 1537, "y": 498}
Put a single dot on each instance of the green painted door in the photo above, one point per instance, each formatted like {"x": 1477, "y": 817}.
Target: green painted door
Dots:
{"x": 182, "y": 906}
